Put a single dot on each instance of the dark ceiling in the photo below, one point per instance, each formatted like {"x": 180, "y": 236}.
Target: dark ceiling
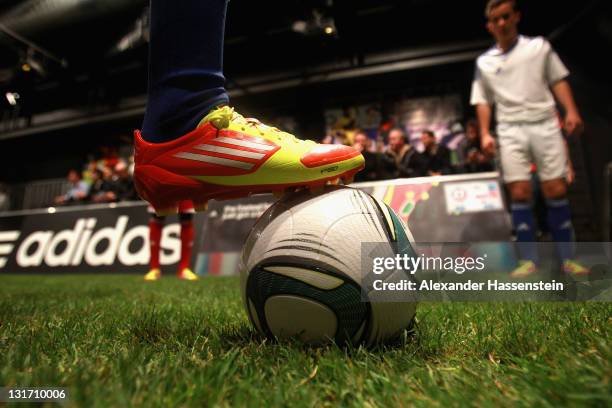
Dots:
{"x": 74, "y": 39}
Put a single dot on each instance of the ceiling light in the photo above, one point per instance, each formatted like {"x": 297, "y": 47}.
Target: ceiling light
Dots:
{"x": 12, "y": 98}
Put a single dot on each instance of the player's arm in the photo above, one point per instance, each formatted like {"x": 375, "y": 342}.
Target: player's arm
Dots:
{"x": 487, "y": 142}
{"x": 573, "y": 122}
{"x": 570, "y": 177}
{"x": 482, "y": 99}
{"x": 556, "y": 73}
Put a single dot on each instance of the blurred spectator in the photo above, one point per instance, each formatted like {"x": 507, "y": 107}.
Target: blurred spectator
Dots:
{"x": 378, "y": 166}
{"x": 88, "y": 170}
{"x": 336, "y": 137}
{"x": 107, "y": 174}
{"x": 343, "y": 129}
{"x": 123, "y": 186}
{"x": 371, "y": 122}
{"x": 110, "y": 157}
{"x": 407, "y": 160}
{"x": 436, "y": 158}
{"x": 348, "y": 119}
{"x": 119, "y": 188}
{"x": 78, "y": 190}
{"x": 470, "y": 156}
{"x": 98, "y": 187}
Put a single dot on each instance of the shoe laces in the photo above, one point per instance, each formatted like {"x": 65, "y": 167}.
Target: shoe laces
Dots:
{"x": 223, "y": 116}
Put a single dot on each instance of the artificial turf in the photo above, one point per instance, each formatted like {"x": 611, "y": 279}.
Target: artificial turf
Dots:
{"x": 118, "y": 341}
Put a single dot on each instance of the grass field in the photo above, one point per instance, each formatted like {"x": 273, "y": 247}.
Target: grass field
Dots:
{"x": 116, "y": 341}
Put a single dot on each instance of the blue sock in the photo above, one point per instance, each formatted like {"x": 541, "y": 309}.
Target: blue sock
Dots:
{"x": 185, "y": 66}
{"x": 560, "y": 224}
{"x": 524, "y": 225}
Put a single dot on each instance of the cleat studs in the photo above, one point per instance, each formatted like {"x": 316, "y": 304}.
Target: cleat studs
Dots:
{"x": 278, "y": 194}
{"x": 334, "y": 182}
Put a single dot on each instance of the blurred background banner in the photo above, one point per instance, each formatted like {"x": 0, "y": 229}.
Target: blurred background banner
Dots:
{"x": 474, "y": 212}
{"x": 421, "y": 202}
{"x": 442, "y": 114}
{"x": 226, "y": 226}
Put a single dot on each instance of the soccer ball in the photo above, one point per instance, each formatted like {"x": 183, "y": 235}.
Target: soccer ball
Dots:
{"x": 301, "y": 269}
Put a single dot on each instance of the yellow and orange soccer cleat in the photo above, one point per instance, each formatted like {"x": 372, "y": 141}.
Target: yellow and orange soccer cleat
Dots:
{"x": 229, "y": 156}
{"x": 153, "y": 275}
{"x": 574, "y": 268}
{"x": 524, "y": 270}
{"x": 187, "y": 274}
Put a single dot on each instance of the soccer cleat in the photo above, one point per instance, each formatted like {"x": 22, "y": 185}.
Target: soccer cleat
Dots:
{"x": 573, "y": 268}
{"x": 153, "y": 275}
{"x": 525, "y": 269}
{"x": 229, "y": 156}
{"x": 187, "y": 274}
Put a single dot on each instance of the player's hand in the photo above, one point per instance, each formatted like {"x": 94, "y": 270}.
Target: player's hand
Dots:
{"x": 573, "y": 124}
{"x": 487, "y": 143}
{"x": 570, "y": 176}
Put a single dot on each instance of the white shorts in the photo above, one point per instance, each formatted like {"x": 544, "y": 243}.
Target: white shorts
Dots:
{"x": 521, "y": 144}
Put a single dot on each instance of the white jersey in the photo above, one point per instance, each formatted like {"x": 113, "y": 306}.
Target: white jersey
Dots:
{"x": 518, "y": 81}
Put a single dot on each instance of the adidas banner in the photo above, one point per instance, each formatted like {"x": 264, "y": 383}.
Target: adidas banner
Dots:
{"x": 100, "y": 238}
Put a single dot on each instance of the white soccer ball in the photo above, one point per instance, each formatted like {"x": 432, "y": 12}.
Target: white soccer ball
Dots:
{"x": 301, "y": 269}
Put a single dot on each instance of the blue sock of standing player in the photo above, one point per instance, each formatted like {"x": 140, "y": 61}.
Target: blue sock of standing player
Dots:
{"x": 524, "y": 226}
{"x": 185, "y": 66}
{"x": 560, "y": 224}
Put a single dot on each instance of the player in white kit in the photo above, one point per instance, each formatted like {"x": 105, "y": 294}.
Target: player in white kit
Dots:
{"x": 521, "y": 76}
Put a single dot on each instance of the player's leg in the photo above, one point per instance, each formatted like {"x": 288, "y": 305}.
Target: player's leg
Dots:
{"x": 156, "y": 224}
{"x": 550, "y": 154}
{"x": 516, "y": 165}
{"x": 524, "y": 224}
{"x": 185, "y": 66}
{"x": 186, "y": 212}
{"x": 210, "y": 151}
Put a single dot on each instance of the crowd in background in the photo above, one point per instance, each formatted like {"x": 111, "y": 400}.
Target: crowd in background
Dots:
{"x": 104, "y": 179}
{"x": 107, "y": 178}
{"x": 391, "y": 155}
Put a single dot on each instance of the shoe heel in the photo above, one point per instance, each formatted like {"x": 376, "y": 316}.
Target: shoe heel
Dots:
{"x": 162, "y": 189}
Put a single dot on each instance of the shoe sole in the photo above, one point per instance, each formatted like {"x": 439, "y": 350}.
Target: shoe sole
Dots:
{"x": 150, "y": 180}
{"x": 577, "y": 274}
